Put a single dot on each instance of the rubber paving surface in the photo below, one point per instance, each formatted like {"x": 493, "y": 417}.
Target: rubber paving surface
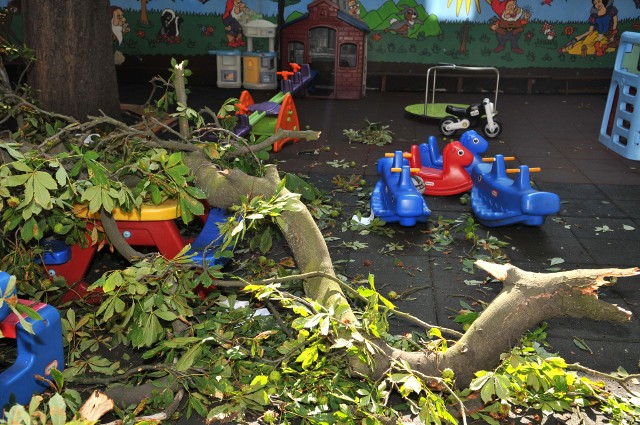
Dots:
{"x": 598, "y": 225}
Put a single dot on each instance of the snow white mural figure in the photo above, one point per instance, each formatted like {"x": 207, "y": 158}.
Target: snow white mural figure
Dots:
{"x": 601, "y": 37}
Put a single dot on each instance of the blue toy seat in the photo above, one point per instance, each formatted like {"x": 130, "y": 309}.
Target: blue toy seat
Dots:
{"x": 56, "y": 252}
{"x": 395, "y": 197}
{"x": 497, "y": 200}
{"x": 203, "y": 248}
{"x": 38, "y": 352}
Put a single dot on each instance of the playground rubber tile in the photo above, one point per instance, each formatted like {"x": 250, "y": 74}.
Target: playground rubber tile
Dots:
{"x": 553, "y": 227}
{"x": 565, "y": 176}
{"x": 569, "y": 327}
{"x": 574, "y": 191}
{"x": 594, "y": 208}
{"x": 605, "y": 356}
{"x": 612, "y": 253}
{"x": 601, "y": 164}
{"x": 528, "y": 252}
{"x": 587, "y": 228}
{"x": 630, "y": 208}
{"x": 620, "y": 192}
{"x": 629, "y": 178}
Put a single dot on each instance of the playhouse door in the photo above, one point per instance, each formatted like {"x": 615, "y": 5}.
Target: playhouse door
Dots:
{"x": 322, "y": 59}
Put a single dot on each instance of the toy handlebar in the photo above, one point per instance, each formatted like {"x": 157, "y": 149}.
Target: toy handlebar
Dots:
{"x": 391, "y": 155}
{"x": 294, "y": 66}
{"x": 285, "y": 74}
{"x": 517, "y": 170}
{"x": 241, "y": 109}
{"x": 398, "y": 170}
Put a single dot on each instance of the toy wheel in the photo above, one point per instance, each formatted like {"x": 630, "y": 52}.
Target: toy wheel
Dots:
{"x": 494, "y": 132}
{"x": 418, "y": 182}
{"x": 446, "y": 122}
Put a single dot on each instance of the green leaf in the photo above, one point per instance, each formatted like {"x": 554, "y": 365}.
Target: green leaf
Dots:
{"x": 57, "y": 410}
{"x": 488, "y": 391}
{"x": 22, "y": 166}
{"x": 30, "y": 230}
{"x": 582, "y": 344}
{"x": 15, "y": 180}
{"x": 554, "y": 261}
{"x": 61, "y": 177}
{"x": 502, "y": 387}
{"x": 166, "y": 315}
{"x": 412, "y": 384}
{"x": 187, "y": 359}
{"x": 266, "y": 241}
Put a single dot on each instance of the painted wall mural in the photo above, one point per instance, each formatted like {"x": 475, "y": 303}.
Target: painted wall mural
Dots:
{"x": 502, "y": 33}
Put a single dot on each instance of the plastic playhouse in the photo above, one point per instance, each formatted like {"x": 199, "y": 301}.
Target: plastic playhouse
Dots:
{"x": 152, "y": 226}
{"x": 498, "y": 200}
{"x": 620, "y": 128}
{"x": 395, "y": 197}
{"x": 38, "y": 352}
{"x": 452, "y": 178}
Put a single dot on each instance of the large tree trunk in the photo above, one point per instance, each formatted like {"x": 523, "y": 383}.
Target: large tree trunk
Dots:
{"x": 73, "y": 47}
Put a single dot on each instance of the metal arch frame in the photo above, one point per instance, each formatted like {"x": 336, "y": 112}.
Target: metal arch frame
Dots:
{"x": 479, "y": 69}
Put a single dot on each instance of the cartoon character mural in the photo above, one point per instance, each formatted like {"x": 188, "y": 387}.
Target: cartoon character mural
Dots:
{"x": 510, "y": 24}
{"x": 601, "y": 37}
{"x": 119, "y": 28}
{"x": 552, "y": 33}
{"x": 402, "y": 26}
{"x": 6, "y": 18}
{"x": 233, "y": 12}
{"x": 354, "y": 8}
{"x": 169, "y": 27}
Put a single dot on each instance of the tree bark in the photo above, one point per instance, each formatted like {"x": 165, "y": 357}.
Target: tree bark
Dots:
{"x": 75, "y": 75}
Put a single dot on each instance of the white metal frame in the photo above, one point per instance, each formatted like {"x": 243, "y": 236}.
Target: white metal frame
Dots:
{"x": 479, "y": 69}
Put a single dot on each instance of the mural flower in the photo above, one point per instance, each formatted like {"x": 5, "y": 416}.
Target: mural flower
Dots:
{"x": 140, "y": 33}
{"x": 377, "y": 37}
{"x": 568, "y": 30}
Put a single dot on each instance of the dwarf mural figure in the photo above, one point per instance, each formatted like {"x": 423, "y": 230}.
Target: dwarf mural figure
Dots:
{"x": 119, "y": 27}
{"x": 231, "y": 20}
{"x": 510, "y": 24}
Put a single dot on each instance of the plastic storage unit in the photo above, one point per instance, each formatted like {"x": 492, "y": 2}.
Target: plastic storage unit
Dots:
{"x": 259, "y": 70}
{"x": 229, "y": 65}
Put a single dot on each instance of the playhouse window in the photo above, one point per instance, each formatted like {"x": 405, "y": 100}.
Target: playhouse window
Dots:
{"x": 296, "y": 52}
{"x": 323, "y": 41}
{"x": 348, "y": 55}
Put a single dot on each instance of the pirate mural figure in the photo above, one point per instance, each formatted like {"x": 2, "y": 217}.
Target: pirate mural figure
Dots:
{"x": 510, "y": 24}
{"x": 231, "y": 18}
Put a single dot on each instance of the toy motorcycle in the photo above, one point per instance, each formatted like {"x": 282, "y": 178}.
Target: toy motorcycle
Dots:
{"x": 475, "y": 114}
